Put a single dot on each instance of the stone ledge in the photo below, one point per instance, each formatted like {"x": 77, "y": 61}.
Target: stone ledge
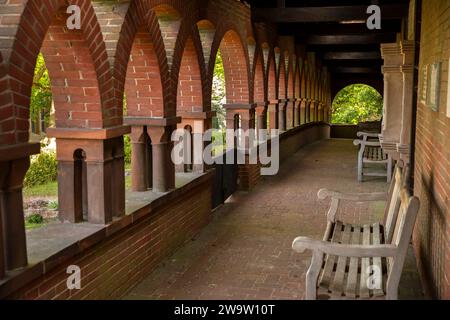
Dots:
{"x": 197, "y": 115}
{"x": 88, "y": 134}
{"x": 18, "y": 151}
{"x": 153, "y": 122}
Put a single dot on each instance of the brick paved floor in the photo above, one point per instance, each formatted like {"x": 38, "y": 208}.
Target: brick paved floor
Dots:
{"x": 245, "y": 253}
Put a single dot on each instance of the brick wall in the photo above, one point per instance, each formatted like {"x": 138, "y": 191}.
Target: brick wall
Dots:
{"x": 113, "y": 266}
{"x": 432, "y": 172}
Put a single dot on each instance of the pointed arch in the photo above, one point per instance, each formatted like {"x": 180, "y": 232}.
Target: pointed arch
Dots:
{"x": 259, "y": 87}
{"x": 272, "y": 91}
{"x": 236, "y": 67}
{"x": 80, "y": 64}
{"x": 189, "y": 90}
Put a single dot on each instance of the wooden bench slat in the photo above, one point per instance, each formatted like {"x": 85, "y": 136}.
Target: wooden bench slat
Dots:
{"x": 365, "y": 263}
{"x": 377, "y": 260}
{"x": 325, "y": 280}
{"x": 338, "y": 282}
{"x": 352, "y": 279}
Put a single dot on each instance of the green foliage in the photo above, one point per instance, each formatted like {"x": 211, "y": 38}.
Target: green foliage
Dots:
{"x": 43, "y": 169}
{"x": 41, "y": 93}
{"x": 218, "y": 94}
{"x": 357, "y": 103}
{"x": 35, "y": 219}
{"x": 127, "y": 149}
{"x": 53, "y": 205}
{"x": 49, "y": 189}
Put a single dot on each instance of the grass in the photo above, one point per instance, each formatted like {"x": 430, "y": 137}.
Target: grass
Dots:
{"x": 31, "y": 226}
{"x": 49, "y": 189}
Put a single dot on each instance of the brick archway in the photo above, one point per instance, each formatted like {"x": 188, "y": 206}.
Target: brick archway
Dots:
{"x": 272, "y": 79}
{"x": 190, "y": 84}
{"x": 236, "y": 67}
{"x": 259, "y": 87}
{"x": 38, "y": 28}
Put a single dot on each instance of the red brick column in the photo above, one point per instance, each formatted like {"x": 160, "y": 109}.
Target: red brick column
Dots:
{"x": 90, "y": 173}
{"x": 14, "y": 163}
{"x": 302, "y": 111}
{"x": 139, "y": 181}
{"x": 297, "y": 115}
{"x": 282, "y": 115}
{"x": 261, "y": 112}
{"x": 159, "y": 130}
{"x": 273, "y": 114}
{"x": 163, "y": 166}
{"x": 248, "y": 173}
{"x": 200, "y": 122}
{"x": 290, "y": 113}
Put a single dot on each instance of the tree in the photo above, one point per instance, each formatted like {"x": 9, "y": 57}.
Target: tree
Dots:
{"x": 357, "y": 103}
{"x": 218, "y": 94}
{"x": 41, "y": 92}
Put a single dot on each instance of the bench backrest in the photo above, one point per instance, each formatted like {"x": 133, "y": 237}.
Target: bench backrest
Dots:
{"x": 393, "y": 202}
{"x": 403, "y": 229}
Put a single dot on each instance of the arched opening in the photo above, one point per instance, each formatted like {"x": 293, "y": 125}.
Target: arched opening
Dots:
{"x": 357, "y": 103}
{"x": 144, "y": 99}
{"x": 189, "y": 93}
{"x": 65, "y": 93}
{"x": 259, "y": 92}
{"x": 235, "y": 68}
{"x": 189, "y": 102}
{"x": 230, "y": 83}
{"x": 282, "y": 94}
{"x": 272, "y": 117}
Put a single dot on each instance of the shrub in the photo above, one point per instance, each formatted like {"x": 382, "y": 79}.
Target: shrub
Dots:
{"x": 35, "y": 219}
{"x": 43, "y": 169}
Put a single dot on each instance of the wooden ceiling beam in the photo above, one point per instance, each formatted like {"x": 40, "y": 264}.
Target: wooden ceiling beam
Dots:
{"x": 365, "y": 39}
{"x": 369, "y": 55}
{"x": 326, "y": 14}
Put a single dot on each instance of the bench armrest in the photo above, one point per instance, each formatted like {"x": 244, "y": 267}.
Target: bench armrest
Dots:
{"x": 368, "y": 134}
{"x": 301, "y": 244}
{"x": 357, "y": 197}
{"x": 367, "y": 143}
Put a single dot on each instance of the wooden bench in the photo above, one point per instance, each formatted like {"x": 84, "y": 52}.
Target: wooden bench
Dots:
{"x": 342, "y": 263}
{"x": 371, "y": 152}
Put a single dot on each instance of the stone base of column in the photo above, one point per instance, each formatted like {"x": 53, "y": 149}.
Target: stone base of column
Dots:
{"x": 91, "y": 174}
{"x": 273, "y": 115}
{"x": 14, "y": 164}
{"x": 199, "y": 123}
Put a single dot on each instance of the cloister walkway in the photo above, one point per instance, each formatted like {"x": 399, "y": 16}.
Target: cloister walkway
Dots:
{"x": 245, "y": 253}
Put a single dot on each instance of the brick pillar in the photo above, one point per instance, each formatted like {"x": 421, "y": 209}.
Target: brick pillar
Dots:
{"x": 139, "y": 181}
{"x": 91, "y": 174}
{"x": 273, "y": 114}
{"x": 308, "y": 110}
{"x": 290, "y": 113}
{"x": 282, "y": 121}
{"x": 320, "y": 112}
{"x": 14, "y": 163}
{"x": 261, "y": 112}
{"x": 302, "y": 111}
{"x": 393, "y": 100}
{"x": 297, "y": 113}
{"x": 248, "y": 173}
{"x": 163, "y": 166}
{"x": 200, "y": 122}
